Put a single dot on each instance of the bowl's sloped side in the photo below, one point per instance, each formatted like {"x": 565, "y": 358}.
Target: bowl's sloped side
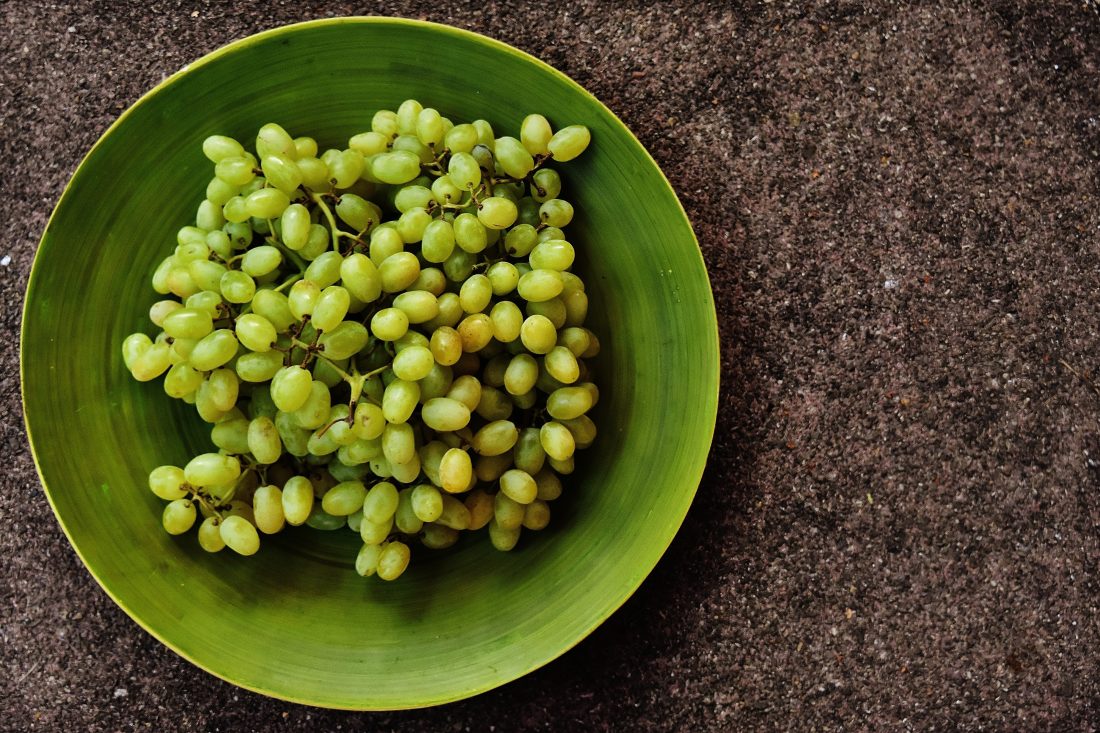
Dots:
{"x": 295, "y": 621}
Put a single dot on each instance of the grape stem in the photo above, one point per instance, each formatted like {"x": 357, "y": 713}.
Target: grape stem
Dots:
{"x": 319, "y": 199}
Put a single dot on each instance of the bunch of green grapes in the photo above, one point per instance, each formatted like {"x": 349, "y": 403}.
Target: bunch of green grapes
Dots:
{"x": 386, "y": 337}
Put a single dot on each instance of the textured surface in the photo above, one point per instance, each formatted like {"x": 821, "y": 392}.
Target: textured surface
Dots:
{"x": 898, "y": 527}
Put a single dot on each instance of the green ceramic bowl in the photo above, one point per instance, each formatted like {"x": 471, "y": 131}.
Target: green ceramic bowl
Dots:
{"x": 295, "y": 621}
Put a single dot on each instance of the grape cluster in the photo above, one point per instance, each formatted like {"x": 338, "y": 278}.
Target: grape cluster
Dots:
{"x": 385, "y": 337}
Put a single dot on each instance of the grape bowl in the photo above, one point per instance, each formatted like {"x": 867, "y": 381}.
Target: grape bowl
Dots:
{"x": 295, "y": 620}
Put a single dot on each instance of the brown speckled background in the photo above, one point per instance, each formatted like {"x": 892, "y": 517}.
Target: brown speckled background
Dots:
{"x": 899, "y": 528}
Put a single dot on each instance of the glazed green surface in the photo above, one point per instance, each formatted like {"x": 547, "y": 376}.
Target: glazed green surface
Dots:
{"x": 295, "y": 621}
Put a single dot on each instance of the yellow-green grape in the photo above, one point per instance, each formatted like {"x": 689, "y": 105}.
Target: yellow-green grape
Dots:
{"x": 369, "y": 422}
{"x": 360, "y": 276}
{"x": 237, "y": 286}
{"x": 529, "y": 455}
{"x": 475, "y": 294}
{"x": 460, "y": 138}
{"x": 218, "y": 242}
{"x": 151, "y": 362}
{"x": 206, "y": 274}
{"x": 235, "y": 170}
{"x": 557, "y": 441}
{"x": 236, "y": 210}
{"x": 315, "y": 174}
{"x": 224, "y": 388}
{"x": 359, "y": 451}
{"x": 231, "y": 435}
{"x": 211, "y": 469}
{"x": 266, "y": 203}
{"x": 520, "y": 241}
{"x": 464, "y": 171}
{"x": 446, "y": 345}
{"x": 405, "y": 518}
{"x": 569, "y": 402}
{"x": 344, "y": 498}
{"x": 281, "y": 172}
{"x": 503, "y": 539}
{"x": 575, "y": 339}
{"x": 400, "y": 400}
{"x": 556, "y": 213}
{"x": 320, "y": 519}
{"x": 446, "y": 191}
{"x": 398, "y": 443}
{"x": 380, "y": 502}
{"x": 535, "y": 133}
{"x": 180, "y": 350}
{"x": 455, "y": 470}
{"x": 593, "y": 349}
{"x": 408, "y": 113}
{"x": 494, "y": 404}
{"x": 485, "y": 135}
{"x": 344, "y": 341}
{"x": 242, "y": 509}
{"x": 178, "y": 516}
{"x": 537, "y": 515}
{"x": 411, "y": 144}
{"x": 263, "y": 440}
{"x": 583, "y": 429}
{"x": 411, "y": 224}
{"x": 437, "y": 382}
{"x": 438, "y": 537}
{"x": 181, "y": 380}
{"x": 239, "y": 535}
{"x": 569, "y": 142}
{"x": 180, "y": 282}
{"x": 366, "y": 562}
{"x": 513, "y": 157}
{"x": 399, "y": 271}
{"x": 220, "y": 147}
{"x": 518, "y": 486}
{"x": 429, "y": 126}
{"x": 267, "y": 507}
{"x": 345, "y": 168}
{"x": 272, "y": 139}
{"x": 213, "y": 350}
{"x": 395, "y": 167}
{"x": 507, "y": 512}
{"x": 549, "y": 485}
{"x": 491, "y": 468}
{"x": 413, "y": 363}
{"x": 325, "y": 269}
{"x": 205, "y": 406}
{"x": 384, "y": 122}
{"x": 255, "y": 332}
{"x": 455, "y": 514}
{"x": 161, "y": 309}
{"x": 413, "y": 196}
{"x": 430, "y": 280}
{"x": 495, "y": 438}
{"x": 321, "y": 443}
{"x": 494, "y": 371}
{"x": 525, "y": 401}
{"x": 476, "y": 331}
{"x": 467, "y": 390}
{"x": 167, "y": 482}
{"x": 438, "y": 241}
{"x": 496, "y": 212}
{"x": 562, "y": 365}
{"x": 480, "y": 506}
{"x": 274, "y": 308}
{"x": 210, "y": 537}
{"x": 445, "y": 415}
{"x": 538, "y": 334}
{"x": 294, "y": 437}
{"x": 469, "y": 233}
{"x": 359, "y": 213}
{"x": 317, "y": 244}
{"x": 521, "y": 374}
{"x": 260, "y": 261}
{"x": 431, "y": 455}
{"x": 259, "y": 367}
{"x": 305, "y": 147}
{"x": 297, "y": 500}
{"x": 206, "y": 301}
{"x": 419, "y": 306}
{"x": 315, "y": 410}
{"x": 545, "y": 184}
{"x": 331, "y": 307}
{"x": 553, "y": 254}
{"x": 302, "y": 298}
{"x": 540, "y": 285}
{"x": 426, "y": 502}
{"x": 188, "y": 323}
{"x": 393, "y": 560}
{"x": 369, "y": 143}
{"x": 506, "y": 320}
{"x": 295, "y": 226}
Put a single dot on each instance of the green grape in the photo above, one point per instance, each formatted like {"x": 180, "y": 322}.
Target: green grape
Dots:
{"x": 553, "y": 309}
{"x": 513, "y": 157}
{"x": 562, "y": 365}
{"x": 455, "y": 514}
{"x": 569, "y": 142}
{"x": 272, "y": 139}
{"x": 539, "y": 285}
{"x": 302, "y": 298}
{"x": 262, "y": 260}
{"x": 466, "y": 390}
{"x": 576, "y": 307}
{"x": 360, "y": 276}
{"x": 295, "y": 226}
{"x": 506, "y": 320}
{"x": 518, "y": 486}
{"x": 450, "y": 312}
{"x": 520, "y": 240}
{"x": 475, "y": 293}
{"x": 494, "y": 404}
{"x": 235, "y": 170}
{"x": 537, "y": 515}
{"x": 188, "y": 323}
{"x": 583, "y": 429}
{"x": 369, "y": 421}
{"x": 455, "y": 471}
{"x": 557, "y": 441}
{"x": 380, "y": 503}
{"x": 366, "y": 562}
{"x": 535, "y": 133}
{"x": 538, "y": 334}
{"x": 413, "y": 364}
{"x": 315, "y": 410}
{"x": 411, "y": 225}
{"x": 321, "y": 443}
{"x": 344, "y": 498}
{"x": 320, "y": 519}
{"x": 209, "y": 215}
{"x": 231, "y": 435}
{"x": 444, "y": 414}
{"x": 521, "y": 374}
{"x": 507, "y": 512}
{"x": 400, "y": 400}
{"x": 575, "y": 339}
{"x": 431, "y": 280}
{"x": 360, "y": 214}
{"x": 273, "y": 307}
{"x": 344, "y": 341}
{"x": 267, "y": 507}
{"x": 490, "y": 468}
{"x": 549, "y": 485}
{"x": 151, "y": 362}
{"x": 469, "y": 233}
{"x": 385, "y": 123}
{"x": 386, "y": 241}
{"x": 210, "y": 537}
{"x": 495, "y": 438}
{"x": 429, "y": 126}
{"x": 218, "y": 242}
{"x": 412, "y": 197}
{"x": 331, "y": 307}
{"x": 460, "y": 138}
{"x": 399, "y": 271}
{"x": 438, "y": 241}
{"x": 396, "y": 167}
{"x": 369, "y": 143}
{"x": 426, "y": 502}
{"x": 255, "y": 332}
{"x": 389, "y": 324}
{"x": 281, "y": 172}
{"x": 220, "y": 147}
{"x": 181, "y": 381}
{"x": 237, "y": 286}
{"x": 569, "y": 402}
{"x": 412, "y": 145}
{"x": 266, "y": 203}
{"x": 446, "y": 345}
{"x": 325, "y": 269}
{"x": 235, "y": 210}
{"x": 503, "y": 276}
{"x": 436, "y": 383}
{"x": 213, "y": 350}
{"x": 239, "y": 535}
{"x": 480, "y": 506}
{"x": 359, "y": 452}
{"x": 207, "y": 301}
{"x": 496, "y": 212}
{"x": 553, "y": 254}
{"x": 167, "y": 482}
{"x": 263, "y": 440}
{"x": 464, "y": 171}
{"x": 256, "y": 367}
{"x": 297, "y": 500}
{"x": 305, "y": 147}
{"x": 179, "y": 516}
{"x": 407, "y": 115}
{"x": 438, "y": 537}
{"x": 459, "y": 265}
{"x": 476, "y": 331}
{"x": 206, "y": 274}
{"x": 393, "y": 560}
{"x": 545, "y": 185}
{"x": 446, "y": 191}
{"x": 239, "y": 233}
{"x": 556, "y": 212}
{"x": 211, "y": 469}
{"x": 398, "y": 443}
{"x": 529, "y": 455}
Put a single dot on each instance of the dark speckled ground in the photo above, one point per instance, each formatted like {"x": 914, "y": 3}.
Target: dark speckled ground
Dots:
{"x": 898, "y": 528}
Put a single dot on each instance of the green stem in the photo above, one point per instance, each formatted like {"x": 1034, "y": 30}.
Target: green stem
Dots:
{"x": 336, "y": 232}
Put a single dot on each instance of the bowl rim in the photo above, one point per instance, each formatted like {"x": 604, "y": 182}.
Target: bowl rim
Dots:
{"x": 365, "y": 20}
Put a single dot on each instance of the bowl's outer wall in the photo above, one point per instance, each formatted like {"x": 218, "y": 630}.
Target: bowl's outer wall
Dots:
{"x": 295, "y": 621}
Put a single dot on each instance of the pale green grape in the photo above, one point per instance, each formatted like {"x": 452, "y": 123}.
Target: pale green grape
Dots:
{"x": 513, "y": 157}
{"x": 538, "y": 334}
{"x": 455, "y": 514}
{"x": 413, "y": 364}
{"x": 380, "y": 502}
{"x": 411, "y": 225}
{"x": 325, "y": 269}
{"x": 255, "y": 332}
{"x": 455, "y": 471}
{"x": 344, "y": 498}
{"x": 553, "y": 254}
{"x": 282, "y": 172}
{"x": 396, "y": 167}
{"x": 315, "y": 410}
{"x": 231, "y": 435}
{"x": 419, "y": 306}
{"x": 476, "y": 331}
{"x": 297, "y": 499}
{"x": 385, "y": 123}
{"x": 272, "y": 139}
{"x": 399, "y": 271}
{"x": 495, "y": 438}
{"x": 235, "y": 210}
{"x": 412, "y": 197}
{"x": 167, "y": 482}
{"x": 464, "y": 171}
{"x": 331, "y": 307}
{"x": 179, "y": 516}
{"x": 400, "y": 400}
{"x": 494, "y": 404}
{"x": 267, "y": 507}
{"x": 446, "y": 191}
{"x": 258, "y": 367}
{"x": 460, "y": 138}
{"x": 480, "y": 506}
{"x": 211, "y": 469}
{"x": 535, "y": 133}
{"x": 344, "y": 341}
{"x": 239, "y": 535}
{"x": 366, "y": 562}
{"x": 134, "y": 346}
{"x": 261, "y": 260}
{"x": 506, "y": 320}
{"x": 206, "y": 274}
{"x": 446, "y": 345}
{"x": 496, "y": 212}
{"x": 521, "y": 374}
{"x": 411, "y": 144}
{"x": 305, "y": 147}
{"x": 545, "y": 185}
{"x": 444, "y": 414}
{"x": 320, "y": 519}
{"x": 370, "y": 422}
{"x": 210, "y": 536}
{"x": 385, "y": 241}
{"x": 569, "y": 402}
{"x": 360, "y": 276}
{"x": 369, "y": 143}
{"x": 520, "y": 240}
{"x": 235, "y": 170}
{"x": 557, "y": 441}
{"x": 569, "y": 142}
{"x": 426, "y": 502}
{"x": 470, "y": 234}
{"x": 263, "y": 440}
{"x": 518, "y": 486}
{"x": 507, "y": 512}
{"x": 237, "y": 286}
{"x": 295, "y": 226}
{"x": 389, "y": 324}
{"x": 539, "y": 285}
{"x": 467, "y": 390}
{"x": 302, "y": 298}
{"x": 266, "y": 203}
{"x": 438, "y": 241}
{"x": 359, "y": 213}
{"x": 475, "y": 293}
{"x": 503, "y": 276}
{"x": 556, "y": 212}
{"x": 181, "y": 380}
{"x": 393, "y": 560}
{"x": 562, "y": 365}
{"x": 219, "y": 147}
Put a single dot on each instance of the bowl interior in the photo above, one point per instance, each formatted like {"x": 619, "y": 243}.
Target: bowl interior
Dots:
{"x": 295, "y": 621}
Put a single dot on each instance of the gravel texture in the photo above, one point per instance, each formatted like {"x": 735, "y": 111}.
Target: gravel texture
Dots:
{"x": 898, "y": 527}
